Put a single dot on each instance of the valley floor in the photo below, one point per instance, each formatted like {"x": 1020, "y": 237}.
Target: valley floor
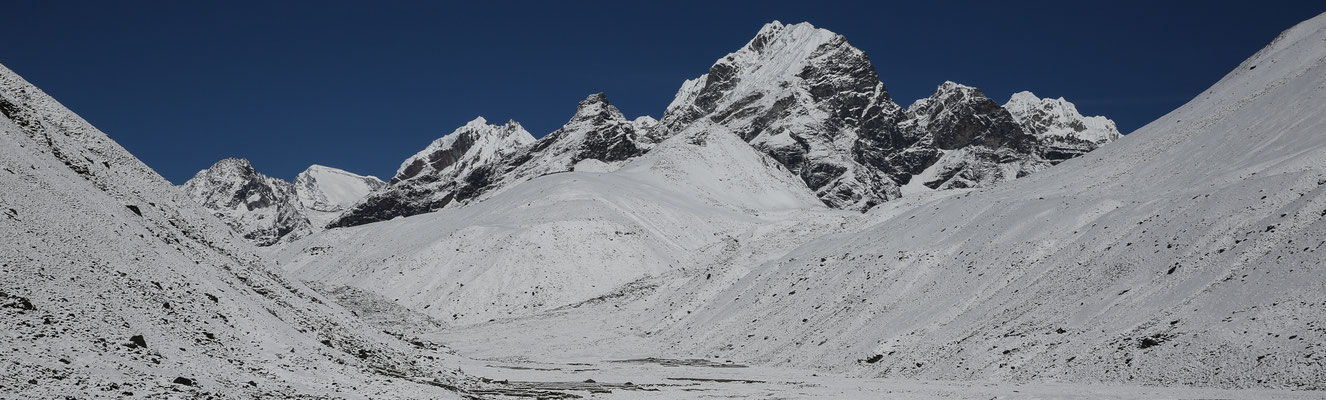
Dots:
{"x": 630, "y": 369}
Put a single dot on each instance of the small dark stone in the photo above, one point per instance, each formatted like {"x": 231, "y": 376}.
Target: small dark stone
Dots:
{"x": 1148, "y": 342}
{"x": 874, "y": 359}
{"x": 183, "y": 381}
{"x": 137, "y": 341}
{"x": 134, "y": 209}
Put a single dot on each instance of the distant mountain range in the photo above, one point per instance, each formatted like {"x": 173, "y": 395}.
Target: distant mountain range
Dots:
{"x": 800, "y": 94}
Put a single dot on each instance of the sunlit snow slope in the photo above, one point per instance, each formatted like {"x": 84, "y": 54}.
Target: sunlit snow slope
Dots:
{"x": 113, "y": 284}
{"x": 562, "y": 238}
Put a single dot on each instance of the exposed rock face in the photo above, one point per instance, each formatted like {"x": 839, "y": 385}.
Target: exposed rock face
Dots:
{"x": 815, "y": 103}
{"x": 468, "y": 147}
{"x": 261, "y": 208}
{"x": 971, "y": 141}
{"x": 804, "y": 96}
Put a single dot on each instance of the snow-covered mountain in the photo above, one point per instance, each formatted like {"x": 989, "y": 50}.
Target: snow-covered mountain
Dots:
{"x": 597, "y": 134}
{"x": 815, "y": 103}
{"x": 430, "y": 179}
{"x": 807, "y": 98}
{"x": 113, "y": 284}
{"x": 1063, "y": 131}
{"x": 479, "y": 158}
{"x": 471, "y": 146}
{"x": 802, "y": 95}
{"x": 269, "y": 210}
{"x": 261, "y": 208}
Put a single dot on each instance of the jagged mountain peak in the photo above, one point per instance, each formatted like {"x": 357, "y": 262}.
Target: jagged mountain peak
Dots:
{"x": 1058, "y": 118}
{"x": 596, "y": 107}
{"x": 775, "y": 38}
{"x": 804, "y": 96}
{"x": 263, "y": 209}
{"x": 645, "y": 122}
{"x": 958, "y": 116}
{"x": 479, "y": 123}
{"x": 231, "y": 164}
{"x": 950, "y": 92}
{"x": 475, "y": 139}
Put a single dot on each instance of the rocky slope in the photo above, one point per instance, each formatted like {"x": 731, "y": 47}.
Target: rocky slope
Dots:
{"x": 113, "y": 284}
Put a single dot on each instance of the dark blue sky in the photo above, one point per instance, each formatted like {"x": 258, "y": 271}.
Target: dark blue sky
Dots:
{"x": 362, "y": 85}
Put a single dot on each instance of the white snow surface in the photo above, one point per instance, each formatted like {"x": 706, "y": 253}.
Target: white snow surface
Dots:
{"x": 320, "y": 186}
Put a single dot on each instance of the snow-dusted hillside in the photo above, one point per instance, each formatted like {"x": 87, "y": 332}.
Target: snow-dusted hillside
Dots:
{"x": 562, "y": 238}
{"x": 1189, "y": 252}
{"x": 113, "y": 284}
